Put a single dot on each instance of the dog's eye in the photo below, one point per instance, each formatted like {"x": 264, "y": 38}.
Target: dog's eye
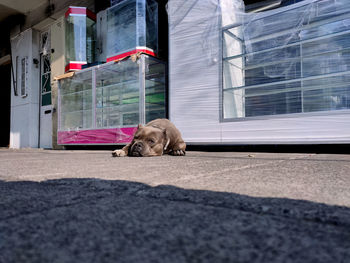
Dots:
{"x": 151, "y": 141}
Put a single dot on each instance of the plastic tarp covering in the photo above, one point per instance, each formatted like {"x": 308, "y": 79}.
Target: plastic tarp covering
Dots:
{"x": 132, "y": 26}
{"x": 279, "y": 76}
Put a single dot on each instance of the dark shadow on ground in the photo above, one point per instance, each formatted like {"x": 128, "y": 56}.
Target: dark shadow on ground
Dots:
{"x": 91, "y": 220}
{"x": 278, "y": 148}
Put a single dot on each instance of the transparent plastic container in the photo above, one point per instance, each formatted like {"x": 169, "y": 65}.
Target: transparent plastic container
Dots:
{"x": 79, "y": 37}
{"x": 108, "y": 101}
{"x": 132, "y": 26}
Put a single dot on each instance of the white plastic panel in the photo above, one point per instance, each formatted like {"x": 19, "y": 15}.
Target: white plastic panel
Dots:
{"x": 194, "y": 69}
{"x": 279, "y": 76}
{"x": 24, "y": 129}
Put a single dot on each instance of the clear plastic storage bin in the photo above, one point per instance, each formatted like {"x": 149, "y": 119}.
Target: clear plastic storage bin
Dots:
{"x": 79, "y": 37}
{"x": 132, "y": 26}
{"x": 105, "y": 103}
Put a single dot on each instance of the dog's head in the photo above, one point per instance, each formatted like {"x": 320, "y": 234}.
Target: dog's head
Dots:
{"x": 148, "y": 141}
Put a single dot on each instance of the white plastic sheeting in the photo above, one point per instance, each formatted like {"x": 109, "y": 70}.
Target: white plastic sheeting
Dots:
{"x": 280, "y": 76}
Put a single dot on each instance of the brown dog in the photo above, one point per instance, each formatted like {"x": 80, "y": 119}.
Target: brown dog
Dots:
{"x": 156, "y": 138}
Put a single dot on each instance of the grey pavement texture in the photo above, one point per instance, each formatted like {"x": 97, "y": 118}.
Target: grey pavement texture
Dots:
{"x": 85, "y": 206}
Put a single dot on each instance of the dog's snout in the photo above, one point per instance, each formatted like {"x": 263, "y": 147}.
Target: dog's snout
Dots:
{"x": 138, "y": 146}
{"x": 136, "y": 149}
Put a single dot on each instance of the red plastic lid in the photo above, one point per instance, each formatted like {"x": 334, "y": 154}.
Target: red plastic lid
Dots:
{"x": 76, "y": 10}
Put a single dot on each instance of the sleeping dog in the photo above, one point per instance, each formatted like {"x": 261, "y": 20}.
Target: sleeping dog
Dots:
{"x": 156, "y": 138}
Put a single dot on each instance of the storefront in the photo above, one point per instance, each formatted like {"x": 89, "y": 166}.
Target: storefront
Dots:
{"x": 228, "y": 77}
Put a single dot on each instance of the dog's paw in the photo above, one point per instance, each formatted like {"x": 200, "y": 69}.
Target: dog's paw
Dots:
{"x": 118, "y": 153}
{"x": 177, "y": 153}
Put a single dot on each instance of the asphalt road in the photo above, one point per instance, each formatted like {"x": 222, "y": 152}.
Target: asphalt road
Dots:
{"x": 85, "y": 206}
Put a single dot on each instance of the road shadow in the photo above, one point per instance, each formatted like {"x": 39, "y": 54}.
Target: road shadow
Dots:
{"x": 266, "y": 148}
{"x": 92, "y": 220}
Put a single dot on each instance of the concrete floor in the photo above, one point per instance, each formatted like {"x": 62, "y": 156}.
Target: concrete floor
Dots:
{"x": 85, "y": 206}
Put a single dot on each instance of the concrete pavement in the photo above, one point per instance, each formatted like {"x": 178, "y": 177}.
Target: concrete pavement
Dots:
{"x": 85, "y": 206}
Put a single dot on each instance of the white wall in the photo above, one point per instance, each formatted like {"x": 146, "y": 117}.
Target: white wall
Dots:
{"x": 25, "y": 110}
{"x": 194, "y": 69}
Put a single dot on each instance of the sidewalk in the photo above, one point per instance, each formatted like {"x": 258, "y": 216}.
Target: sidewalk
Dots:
{"x": 85, "y": 206}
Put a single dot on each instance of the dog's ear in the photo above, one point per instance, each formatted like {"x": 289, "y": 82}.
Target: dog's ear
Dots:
{"x": 139, "y": 126}
{"x": 166, "y": 140}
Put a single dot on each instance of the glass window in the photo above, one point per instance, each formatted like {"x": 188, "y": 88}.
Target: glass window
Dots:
{"x": 24, "y": 76}
{"x": 293, "y": 61}
{"x": 45, "y": 80}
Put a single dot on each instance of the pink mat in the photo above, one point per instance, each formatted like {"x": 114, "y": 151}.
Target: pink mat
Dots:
{"x": 101, "y": 136}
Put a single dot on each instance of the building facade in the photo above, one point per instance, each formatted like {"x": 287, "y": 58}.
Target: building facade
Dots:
{"x": 271, "y": 72}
